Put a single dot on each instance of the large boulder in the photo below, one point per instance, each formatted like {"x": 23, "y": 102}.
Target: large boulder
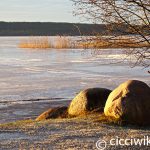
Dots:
{"x": 88, "y": 100}
{"x": 53, "y": 113}
{"x": 130, "y": 102}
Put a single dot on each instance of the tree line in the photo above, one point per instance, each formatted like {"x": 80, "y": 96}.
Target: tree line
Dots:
{"x": 52, "y": 29}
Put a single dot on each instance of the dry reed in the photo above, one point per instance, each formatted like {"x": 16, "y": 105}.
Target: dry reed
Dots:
{"x": 59, "y": 42}
{"x": 63, "y": 42}
{"x": 36, "y": 42}
{"x": 119, "y": 42}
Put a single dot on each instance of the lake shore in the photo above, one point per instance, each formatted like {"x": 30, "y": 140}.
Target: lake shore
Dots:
{"x": 28, "y": 110}
{"x": 34, "y": 81}
{"x": 70, "y": 134}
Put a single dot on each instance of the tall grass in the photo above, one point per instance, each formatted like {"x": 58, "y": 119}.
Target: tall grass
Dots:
{"x": 59, "y": 42}
{"x": 63, "y": 42}
{"x": 118, "y": 42}
{"x": 36, "y": 42}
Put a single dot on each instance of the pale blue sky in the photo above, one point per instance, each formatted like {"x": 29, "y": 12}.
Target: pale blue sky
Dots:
{"x": 37, "y": 10}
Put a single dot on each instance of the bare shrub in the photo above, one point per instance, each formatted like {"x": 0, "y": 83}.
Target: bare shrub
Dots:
{"x": 121, "y": 17}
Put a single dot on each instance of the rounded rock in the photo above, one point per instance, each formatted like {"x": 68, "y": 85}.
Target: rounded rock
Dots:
{"x": 88, "y": 100}
{"x": 53, "y": 113}
{"x": 130, "y": 102}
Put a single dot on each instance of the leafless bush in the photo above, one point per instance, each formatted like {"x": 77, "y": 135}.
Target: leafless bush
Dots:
{"x": 128, "y": 17}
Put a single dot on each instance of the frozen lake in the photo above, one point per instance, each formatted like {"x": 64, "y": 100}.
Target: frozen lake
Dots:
{"x": 29, "y": 76}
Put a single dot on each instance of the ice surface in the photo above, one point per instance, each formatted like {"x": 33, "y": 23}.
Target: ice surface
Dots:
{"x": 32, "y": 74}
{"x": 27, "y": 74}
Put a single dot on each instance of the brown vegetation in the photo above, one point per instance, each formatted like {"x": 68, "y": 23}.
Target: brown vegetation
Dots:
{"x": 63, "y": 42}
{"x": 77, "y": 133}
{"x": 111, "y": 42}
{"x": 60, "y": 42}
{"x": 130, "y": 17}
{"x": 38, "y": 42}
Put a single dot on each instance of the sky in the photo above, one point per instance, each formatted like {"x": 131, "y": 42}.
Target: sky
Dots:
{"x": 37, "y": 10}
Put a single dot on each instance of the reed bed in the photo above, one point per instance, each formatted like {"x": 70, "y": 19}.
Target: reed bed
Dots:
{"x": 64, "y": 42}
{"x": 36, "y": 42}
{"x": 59, "y": 42}
{"x": 119, "y": 42}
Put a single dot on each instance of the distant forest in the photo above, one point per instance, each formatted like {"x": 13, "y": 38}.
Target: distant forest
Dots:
{"x": 50, "y": 29}
{"x": 54, "y": 28}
